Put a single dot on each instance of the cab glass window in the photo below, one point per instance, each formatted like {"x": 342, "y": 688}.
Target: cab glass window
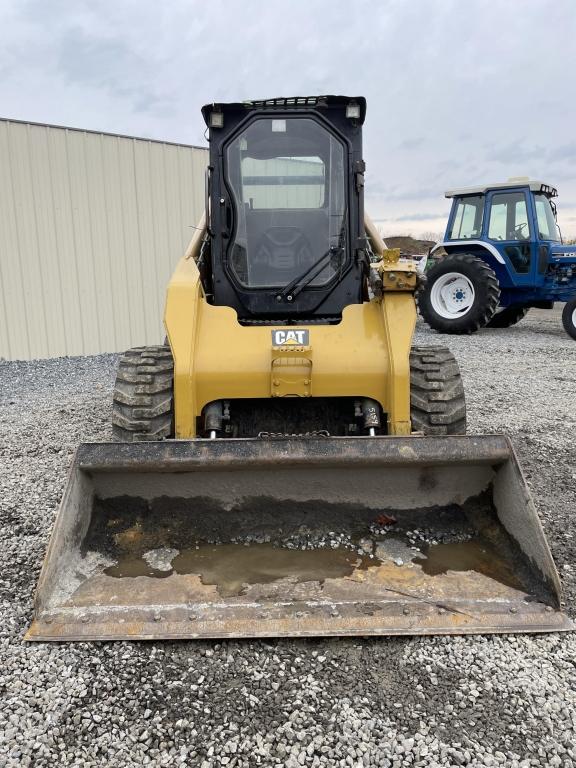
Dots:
{"x": 547, "y": 228}
{"x": 467, "y": 222}
{"x": 509, "y": 217}
{"x": 288, "y": 182}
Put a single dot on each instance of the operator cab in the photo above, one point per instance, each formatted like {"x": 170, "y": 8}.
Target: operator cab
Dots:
{"x": 285, "y": 208}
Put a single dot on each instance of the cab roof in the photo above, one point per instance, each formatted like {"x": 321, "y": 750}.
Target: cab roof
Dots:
{"x": 295, "y": 103}
{"x": 515, "y": 182}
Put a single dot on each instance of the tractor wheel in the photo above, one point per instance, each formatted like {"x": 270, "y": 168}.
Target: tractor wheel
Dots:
{"x": 437, "y": 402}
{"x": 569, "y": 318}
{"x": 143, "y": 406}
{"x": 508, "y": 316}
{"x": 461, "y": 294}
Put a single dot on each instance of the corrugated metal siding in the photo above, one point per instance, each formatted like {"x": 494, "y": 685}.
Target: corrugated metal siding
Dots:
{"x": 91, "y": 227}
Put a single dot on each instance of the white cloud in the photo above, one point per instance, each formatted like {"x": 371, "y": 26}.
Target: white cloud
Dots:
{"x": 458, "y": 92}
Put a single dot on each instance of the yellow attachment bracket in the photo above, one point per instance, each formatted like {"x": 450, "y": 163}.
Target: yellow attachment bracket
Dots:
{"x": 397, "y": 275}
{"x": 391, "y": 255}
{"x": 291, "y": 371}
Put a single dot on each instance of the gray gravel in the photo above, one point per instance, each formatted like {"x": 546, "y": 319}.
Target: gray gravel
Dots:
{"x": 382, "y": 702}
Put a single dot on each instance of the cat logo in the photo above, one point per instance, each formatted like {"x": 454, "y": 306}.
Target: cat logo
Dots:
{"x": 290, "y": 337}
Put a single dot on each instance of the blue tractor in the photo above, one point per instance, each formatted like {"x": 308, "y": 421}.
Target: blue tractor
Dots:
{"x": 501, "y": 255}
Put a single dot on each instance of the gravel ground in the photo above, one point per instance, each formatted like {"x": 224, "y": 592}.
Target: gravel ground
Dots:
{"x": 352, "y": 702}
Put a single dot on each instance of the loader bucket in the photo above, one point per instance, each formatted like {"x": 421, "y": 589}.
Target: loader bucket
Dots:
{"x": 296, "y": 537}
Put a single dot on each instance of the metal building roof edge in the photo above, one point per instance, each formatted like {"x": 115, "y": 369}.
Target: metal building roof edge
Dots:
{"x": 101, "y": 133}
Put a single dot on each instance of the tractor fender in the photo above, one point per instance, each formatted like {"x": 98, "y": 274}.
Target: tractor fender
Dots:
{"x": 458, "y": 246}
{"x": 485, "y": 251}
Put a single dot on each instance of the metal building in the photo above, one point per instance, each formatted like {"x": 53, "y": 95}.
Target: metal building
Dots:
{"x": 91, "y": 226}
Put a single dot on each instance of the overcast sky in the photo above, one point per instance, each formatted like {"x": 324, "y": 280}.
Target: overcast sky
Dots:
{"x": 459, "y": 91}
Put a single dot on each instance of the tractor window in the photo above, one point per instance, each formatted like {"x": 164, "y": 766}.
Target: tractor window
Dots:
{"x": 467, "y": 222}
{"x": 547, "y": 227}
{"x": 289, "y": 189}
{"x": 509, "y": 217}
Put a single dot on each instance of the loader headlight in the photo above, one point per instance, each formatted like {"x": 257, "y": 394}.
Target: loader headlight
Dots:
{"x": 216, "y": 119}
{"x": 353, "y": 111}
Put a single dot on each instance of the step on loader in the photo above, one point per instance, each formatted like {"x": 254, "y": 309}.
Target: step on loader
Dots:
{"x": 288, "y": 463}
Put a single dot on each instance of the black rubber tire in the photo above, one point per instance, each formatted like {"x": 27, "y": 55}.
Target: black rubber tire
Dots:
{"x": 437, "y": 401}
{"x": 143, "y": 405}
{"x": 568, "y": 318}
{"x": 504, "y": 318}
{"x": 486, "y": 288}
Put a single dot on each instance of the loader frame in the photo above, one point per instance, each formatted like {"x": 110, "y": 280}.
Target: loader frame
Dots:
{"x": 365, "y": 355}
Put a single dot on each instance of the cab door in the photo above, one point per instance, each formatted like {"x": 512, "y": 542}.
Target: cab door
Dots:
{"x": 510, "y": 229}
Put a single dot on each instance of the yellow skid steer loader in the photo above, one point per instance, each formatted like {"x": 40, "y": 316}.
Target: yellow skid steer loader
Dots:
{"x": 288, "y": 464}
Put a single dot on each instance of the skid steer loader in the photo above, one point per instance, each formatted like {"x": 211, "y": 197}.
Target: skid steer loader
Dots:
{"x": 288, "y": 463}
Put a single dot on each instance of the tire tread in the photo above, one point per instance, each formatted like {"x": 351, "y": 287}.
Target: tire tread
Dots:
{"x": 567, "y": 315}
{"x": 508, "y": 316}
{"x": 437, "y": 401}
{"x": 143, "y": 400}
{"x": 485, "y": 285}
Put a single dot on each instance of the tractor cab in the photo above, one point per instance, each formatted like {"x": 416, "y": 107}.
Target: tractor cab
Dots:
{"x": 511, "y": 229}
{"x": 514, "y": 221}
{"x": 285, "y": 208}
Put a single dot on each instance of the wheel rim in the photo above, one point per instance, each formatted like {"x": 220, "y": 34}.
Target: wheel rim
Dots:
{"x": 452, "y": 295}
{"x": 574, "y": 318}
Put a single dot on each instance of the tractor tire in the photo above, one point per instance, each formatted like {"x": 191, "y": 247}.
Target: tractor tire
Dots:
{"x": 508, "y": 316}
{"x": 461, "y": 294}
{"x": 143, "y": 404}
{"x": 437, "y": 402}
{"x": 569, "y": 318}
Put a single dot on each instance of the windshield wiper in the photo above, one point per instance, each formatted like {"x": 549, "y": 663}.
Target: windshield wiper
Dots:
{"x": 290, "y": 291}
